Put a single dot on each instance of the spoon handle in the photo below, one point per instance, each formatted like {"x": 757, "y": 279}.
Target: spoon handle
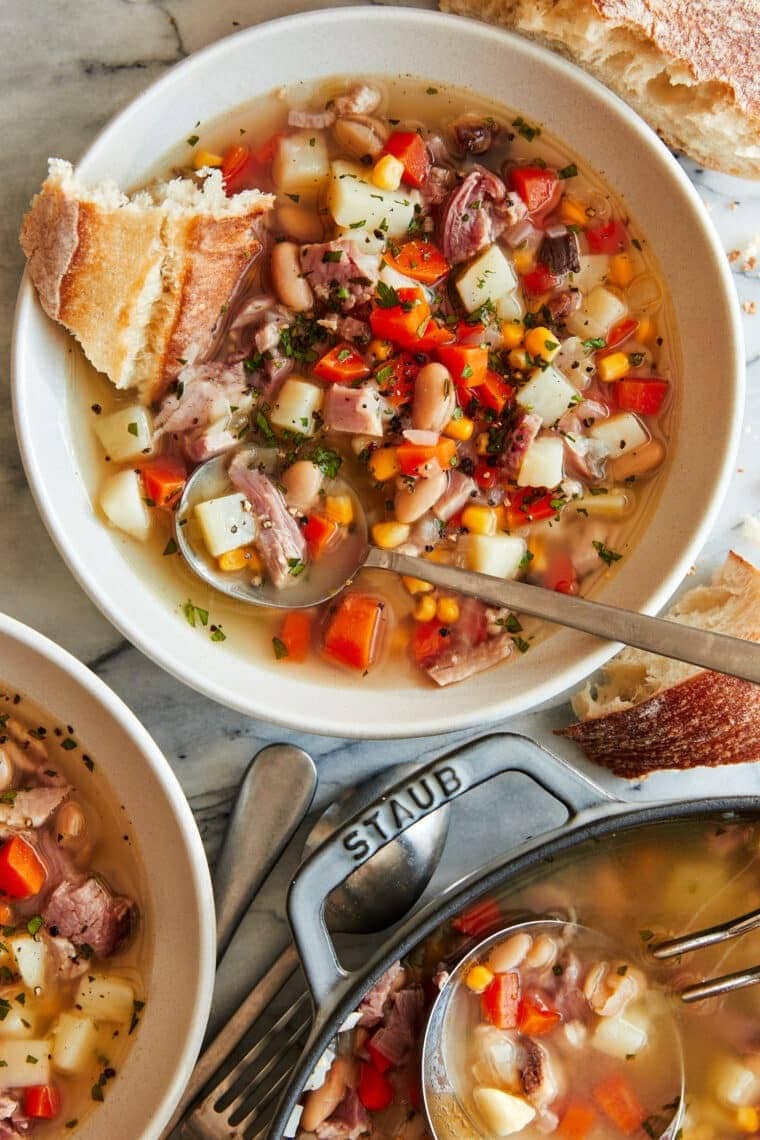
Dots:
{"x": 275, "y": 795}
{"x": 658, "y": 635}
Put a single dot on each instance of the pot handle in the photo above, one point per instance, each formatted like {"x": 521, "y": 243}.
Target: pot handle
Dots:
{"x": 401, "y": 805}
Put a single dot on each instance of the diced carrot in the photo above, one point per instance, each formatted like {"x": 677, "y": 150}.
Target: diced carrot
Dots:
{"x": 163, "y": 479}
{"x": 539, "y": 280}
{"x": 643, "y": 396}
{"x": 414, "y": 457}
{"x": 494, "y": 392}
{"x": 481, "y": 917}
{"x": 353, "y": 633}
{"x": 535, "y": 1017}
{"x": 427, "y": 640}
{"x": 409, "y": 148}
{"x": 22, "y": 873}
{"x": 619, "y": 1102}
{"x": 536, "y": 185}
{"x": 467, "y": 363}
{"x": 295, "y": 635}
{"x": 319, "y": 533}
{"x": 420, "y": 260}
{"x": 527, "y": 505}
{"x": 264, "y": 153}
{"x": 608, "y": 237}
{"x": 6, "y": 914}
{"x": 396, "y": 379}
{"x": 42, "y": 1101}
{"x": 501, "y": 1001}
{"x": 342, "y": 364}
{"x": 237, "y": 167}
{"x": 577, "y": 1122}
{"x": 620, "y": 332}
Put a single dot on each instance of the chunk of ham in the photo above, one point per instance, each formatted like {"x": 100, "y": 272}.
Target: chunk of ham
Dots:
{"x": 69, "y": 963}
{"x": 361, "y": 99}
{"x": 310, "y": 120}
{"x": 460, "y": 489}
{"x": 396, "y": 1036}
{"x": 373, "y": 1003}
{"x": 13, "y": 1122}
{"x": 358, "y": 411}
{"x": 197, "y": 414}
{"x": 521, "y": 437}
{"x": 279, "y": 540}
{"x": 468, "y": 647}
{"x": 349, "y": 1121}
{"x": 343, "y": 266}
{"x": 32, "y": 808}
{"x": 88, "y": 914}
{"x": 475, "y": 214}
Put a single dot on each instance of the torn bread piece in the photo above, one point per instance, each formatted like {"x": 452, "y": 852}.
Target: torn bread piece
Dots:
{"x": 140, "y": 281}
{"x": 650, "y": 712}
{"x": 689, "y": 67}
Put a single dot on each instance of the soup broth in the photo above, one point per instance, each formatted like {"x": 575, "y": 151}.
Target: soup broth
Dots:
{"x": 74, "y": 953}
{"x": 569, "y": 357}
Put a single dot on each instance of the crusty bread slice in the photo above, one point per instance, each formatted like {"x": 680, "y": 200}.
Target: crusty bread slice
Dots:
{"x": 689, "y": 67}
{"x": 141, "y": 281}
{"x": 651, "y": 712}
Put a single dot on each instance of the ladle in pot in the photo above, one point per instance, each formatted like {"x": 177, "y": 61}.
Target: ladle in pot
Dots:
{"x": 671, "y": 639}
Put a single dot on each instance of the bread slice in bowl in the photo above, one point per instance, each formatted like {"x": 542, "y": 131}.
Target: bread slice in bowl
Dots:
{"x": 651, "y": 712}
{"x": 141, "y": 282}
{"x": 689, "y": 67}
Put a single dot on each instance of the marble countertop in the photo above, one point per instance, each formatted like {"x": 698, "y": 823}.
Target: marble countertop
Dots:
{"x": 67, "y": 67}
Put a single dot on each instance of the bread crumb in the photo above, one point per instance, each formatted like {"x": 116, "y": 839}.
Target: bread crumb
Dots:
{"x": 751, "y": 528}
{"x": 749, "y": 307}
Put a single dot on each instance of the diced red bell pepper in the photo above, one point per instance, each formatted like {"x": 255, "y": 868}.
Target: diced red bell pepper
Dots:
{"x": 577, "y": 1122}
{"x": 608, "y": 237}
{"x": 619, "y": 1102}
{"x": 374, "y": 1089}
{"x": 341, "y": 365}
{"x": 527, "y": 505}
{"x": 163, "y": 479}
{"x": 378, "y": 1058}
{"x": 22, "y": 873}
{"x": 501, "y": 1000}
{"x": 643, "y": 396}
{"x": 238, "y": 168}
{"x": 352, "y": 636}
{"x": 480, "y": 918}
{"x": 470, "y": 333}
{"x": 420, "y": 260}
{"x": 409, "y": 148}
{"x": 495, "y": 393}
{"x": 409, "y": 324}
{"x": 539, "y": 280}
{"x": 485, "y": 475}
{"x": 264, "y": 153}
{"x": 296, "y": 635}
{"x": 396, "y": 379}
{"x": 536, "y": 186}
{"x": 42, "y": 1101}
{"x": 427, "y": 640}
{"x": 413, "y": 458}
{"x": 467, "y": 363}
{"x": 535, "y": 1017}
{"x": 560, "y": 574}
{"x": 621, "y": 332}
{"x": 319, "y": 533}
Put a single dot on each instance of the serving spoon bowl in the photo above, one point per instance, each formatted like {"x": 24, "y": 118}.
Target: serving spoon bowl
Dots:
{"x": 700, "y": 647}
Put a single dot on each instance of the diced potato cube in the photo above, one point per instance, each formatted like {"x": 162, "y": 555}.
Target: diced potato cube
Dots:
{"x": 510, "y": 307}
{"x": 597, "y": 316}
{"x": 19, "y": 1021}
{"x": 105, "y": 997}
{"x": 542, "y": 465}
{"x": 122, "y": 501}
{"x": 353, "y": 199}
{"x": 502, "y": 1113}
{"x": 301, "y": 162}
{"x": 295, "y": 406}
{"x": 547, "y": 393}
{"x": 126, "y": 434}
{"x": 619, "y": 433}
{"x": 31, "y": 959}
{"x": 613, "y": 505}
{"x": 26, "y": 1062}
{"x": 225, "y": 524}
{"x": 499, "y": 555}
{"x": 619, "y": 1037}
{"x": 75, "y": 1043}
{"x": 735, "y": 1083}
{"x": 488, "y": 276}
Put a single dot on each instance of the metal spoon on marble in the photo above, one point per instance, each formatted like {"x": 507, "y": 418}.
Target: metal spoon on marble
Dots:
{"x": 331, "y": 575}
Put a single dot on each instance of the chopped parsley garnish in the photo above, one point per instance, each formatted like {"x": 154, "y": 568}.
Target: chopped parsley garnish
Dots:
{"x": 294, "y": 197}
{"x": 31, "y": 1059}
{"x": 97, "y": 1092}
{"x": 622, "y": 970}
{"x": 217, "y": 633}
{"x": 132, "y": 428}
{"x": 598, "y": 490}
{"x": 88, "y": 763}
{"x": 138, "y": 1007}
{"x": 646, "y": 935}
{"x": 34, "y": 925}
{"x": 280, "y": 648}
{"x": 8, "y": 797}
{"x": 193, "y": 140}
{"x": 594, "y": 342}
{"x": 194, "y": 614}
{"x": 635, "y": 359}
{"x": 431, "y": 90}
{"x": 521, "y": 644}
{"x": 387, "y": 297}
{"x": 264, "y": 426}
{"x": 68, "y": 744}
{"x": 297, "y": 567}
{"x": 604, "y": 552}
{"x": 569, "y": 171}
{"x": 636, "y": 243}
{"x": 170, "y": 548}
{"x": 328, "y": 462}
{"x": 358, "y": 225}
{"x": 525, "y": 129}
{"x": 344, "y": 354}
{"x": 332, "y": 255}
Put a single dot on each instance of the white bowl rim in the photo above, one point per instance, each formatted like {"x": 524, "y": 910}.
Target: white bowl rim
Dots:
{"x": 312, "y": 719}
{"x": 38, "y": 644}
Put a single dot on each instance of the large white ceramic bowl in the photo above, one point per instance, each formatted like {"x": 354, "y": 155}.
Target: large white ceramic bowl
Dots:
{"x": 595, "y": 124}
{"x": 180, "y": 908}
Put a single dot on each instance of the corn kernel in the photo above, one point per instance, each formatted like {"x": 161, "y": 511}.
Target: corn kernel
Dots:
{"x": 646, "y": 331}
{"x": 387, "y": 173}
{"x": 425, "y": 608}
{"x": 620, "y": 271}
{"x": 203, "y": 158}
{"x": 388, "y": 535}
{"x": 502, "y": 518}
{"x": 748, "y": 1118}
{"x": 523, "y": 261}
{"x": 440, "y": 554}
{"x": 573, "y": 213}
{"x": 613, "y": 367}
{"x": 478, "y": 978}
{"x": 479, "y": 519}
{"x": 518, "y": 359}
{"x": 512, "y": 333}
{"x": 541, "y": 343}
{"x": 243, "y": 558}
{"x": 481, "y": 443}
{"x": 539, "y": 563}
{"x": 447, "y": 610}
{"x": 339, "y": 509}
{"x": 399, "y": 639}
{"x": 383, "y": 464}
{"x": 416, "y": 585}
{"x": 380, "y": 349}
{"x": 460, "y": 429}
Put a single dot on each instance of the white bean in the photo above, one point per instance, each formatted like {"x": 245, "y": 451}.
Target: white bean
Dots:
{"x": 300, "y": 223}
{"x": 70, "y": 822}
{"x": 322, "y": 1102}
{"x": 412, "y": 504}
{"x": 511, "y": 953}
{"x": 302, "y": 482}
{"x": 640, "y": 461}
{"x": 434, "y": 398}
{"x": 542, "y": 952}
{"x": 290, "y": 285}
{"x": 6, "y": 770}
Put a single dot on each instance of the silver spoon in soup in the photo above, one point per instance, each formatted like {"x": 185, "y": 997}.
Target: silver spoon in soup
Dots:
{"x": 281, "y": 553}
